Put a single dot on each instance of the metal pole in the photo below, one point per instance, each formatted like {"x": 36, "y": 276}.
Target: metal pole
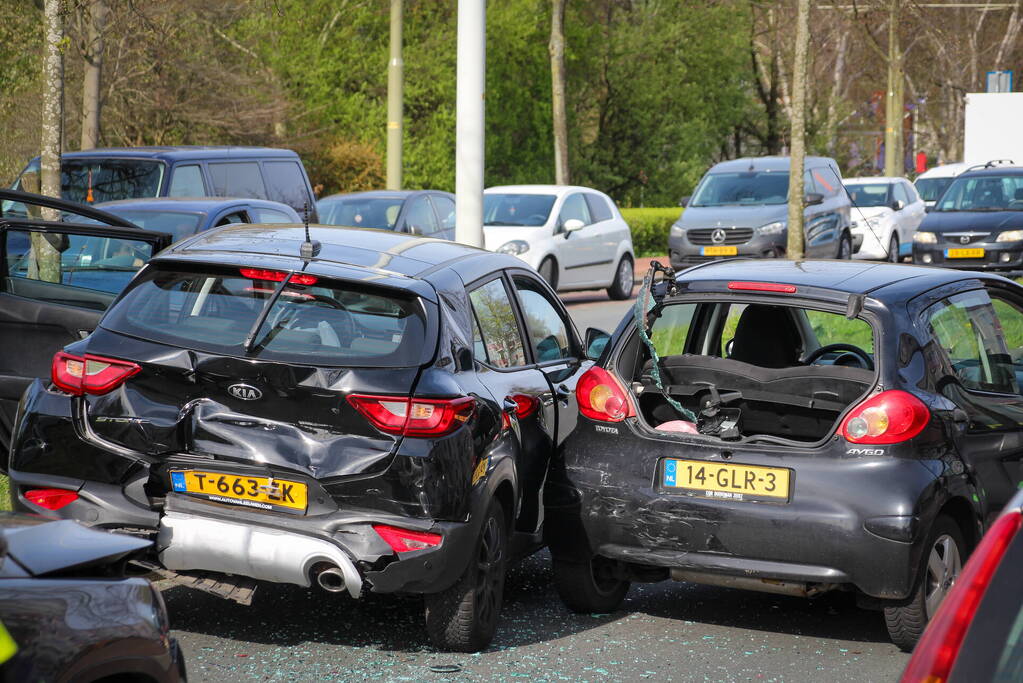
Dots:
{"x": 471, "y": 85}
{"x": 395, "y": 94}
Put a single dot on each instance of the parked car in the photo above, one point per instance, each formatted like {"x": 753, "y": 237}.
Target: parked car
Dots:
{"x": 810, "y": 426}
{"x": 575, "y": 237}
{"x": 366, "y": 412}
{"x": 430, "y": 213}
{"x": 886, "y": 212}
{"x": 977, "y": 224}
{"x": 976, "y": 634}
{"x": 183, "y": 216}
{"x": 71, "y": 610}
{"x": 740, "y": 208}
{"x": 932, "y": 183}
{"x": 103, "y": 175}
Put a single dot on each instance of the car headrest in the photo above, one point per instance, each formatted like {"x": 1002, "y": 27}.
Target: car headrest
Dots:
{"x": 766, "y": 336}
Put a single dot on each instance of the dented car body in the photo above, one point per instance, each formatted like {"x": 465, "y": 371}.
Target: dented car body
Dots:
{"x": 353, "y": 409}
{"x": 864, "y": 451}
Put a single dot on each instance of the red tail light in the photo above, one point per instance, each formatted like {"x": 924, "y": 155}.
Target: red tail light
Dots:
{"x": 88, "y": 374}
{"x": 414, "y": 416}
{"x": 51, "y": 499}
{"x": 278, "y": 276}
{"x": 762, "y": 287}
{"x": 525, "y": 405}
{"x": 601, "y": 396}
{"x": 404, "y": 540}
{"x": 889, "y": 417}
{"x": 935, "y": 654}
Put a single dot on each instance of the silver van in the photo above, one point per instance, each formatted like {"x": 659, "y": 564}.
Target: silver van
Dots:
{"x": 740, "y": 208}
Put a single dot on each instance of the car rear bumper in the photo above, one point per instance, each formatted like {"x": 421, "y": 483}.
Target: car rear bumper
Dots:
{"x": 853, "y": 520}
{"x": 997, "y": 256}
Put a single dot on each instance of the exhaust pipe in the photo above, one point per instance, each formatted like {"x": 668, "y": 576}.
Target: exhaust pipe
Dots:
{"x": 330, "y": 578}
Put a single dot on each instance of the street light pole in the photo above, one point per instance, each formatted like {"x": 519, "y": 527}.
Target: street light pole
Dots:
{"x": 395, "y": 94}
{"x": 469, "y": 105}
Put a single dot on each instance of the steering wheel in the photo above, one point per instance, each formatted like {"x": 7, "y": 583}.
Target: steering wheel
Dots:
{"x": 864, "y": 358}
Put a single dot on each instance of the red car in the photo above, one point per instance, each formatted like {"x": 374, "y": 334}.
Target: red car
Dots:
{"x": 977, "y": 633}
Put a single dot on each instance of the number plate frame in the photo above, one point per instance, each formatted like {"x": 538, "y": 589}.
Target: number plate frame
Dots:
{"x": 674, "y": 478}
{"x": 971, "y": 252}
{"x": 719, "y": 251}
{"x": 281, "y": 495}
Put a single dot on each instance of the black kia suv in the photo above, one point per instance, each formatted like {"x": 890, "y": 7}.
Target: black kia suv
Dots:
{"x": 353, "y": 409}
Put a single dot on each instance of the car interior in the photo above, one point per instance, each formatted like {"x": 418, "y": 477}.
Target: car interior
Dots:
{"x": 751, "y": 371}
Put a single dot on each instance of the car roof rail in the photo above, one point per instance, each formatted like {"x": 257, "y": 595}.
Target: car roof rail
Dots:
{"x": 991, "y": 164}
{"x": 83, "y": 210}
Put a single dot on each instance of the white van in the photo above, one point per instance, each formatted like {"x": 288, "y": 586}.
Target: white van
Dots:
{"x": 932, "y": 183}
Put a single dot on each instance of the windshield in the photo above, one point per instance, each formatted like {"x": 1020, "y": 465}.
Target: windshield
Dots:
{"x": 875, "y": 194}
{"x": 531, "y": 210}
{"x": 753, "y": 187}
{"x": 319, "y": 322}
{"x": 378, "y": 212}
{"x": 984, "y": 193}
{"x": 930, "y": 189}
{"x": 178, "y": 223}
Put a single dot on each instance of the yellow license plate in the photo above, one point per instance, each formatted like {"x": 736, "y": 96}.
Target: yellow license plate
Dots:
{"x": 256, "y": 492}
{"x": 719, "y": 251}
{"x": 727, "y": 481}
{"x": 964, "y": 253}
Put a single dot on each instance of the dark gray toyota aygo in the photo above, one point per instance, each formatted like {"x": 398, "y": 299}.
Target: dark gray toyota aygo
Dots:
{"x": 796, "y": 428}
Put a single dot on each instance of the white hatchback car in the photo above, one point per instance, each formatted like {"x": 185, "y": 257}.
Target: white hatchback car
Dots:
{"x": 885, "y": 214}
{"x": 574, "y": 236}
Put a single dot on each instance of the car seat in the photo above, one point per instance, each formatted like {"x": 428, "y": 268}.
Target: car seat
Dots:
{"x": 766, "y": 336}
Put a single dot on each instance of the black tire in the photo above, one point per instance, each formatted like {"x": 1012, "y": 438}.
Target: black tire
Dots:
{"x": 463, "y": 618}
{"x": 906, "y": 623}
{"x": 548, "y": 272}
{"x": 621, "y": 286}
{"x": 589, "y": 587}
{"x": 845, "y": 247}
{"x": 893, "y": 249}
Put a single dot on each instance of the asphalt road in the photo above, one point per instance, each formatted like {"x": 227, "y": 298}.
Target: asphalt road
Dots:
{"x": 665, "y": 632}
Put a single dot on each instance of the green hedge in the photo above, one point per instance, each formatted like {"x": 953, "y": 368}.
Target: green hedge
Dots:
{"x": 650, "y": 229}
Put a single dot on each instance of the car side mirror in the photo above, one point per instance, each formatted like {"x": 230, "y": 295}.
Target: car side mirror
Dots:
{"x": 897, "y": 205}
{"x": 573, "y": 224}
{"x": 685, "y": 200}
{"x": 813, "y": 198}
{"x": 928, "y": 209}
{"x": 596, "y": 340}
{"x": 412, "y": 230}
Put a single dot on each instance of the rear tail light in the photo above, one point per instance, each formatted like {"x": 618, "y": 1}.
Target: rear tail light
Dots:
{"x": 601, "y": 396}
{"x": 51, "y": 499}
{"x": 278, "y": 276}
{"x": 935, "y": 654}
{"x": 889, "y": 417}
{"x": 87, "y": 374}
{"x": 414, "y": 416}
{"x": 525, "y": 405}
{"x": 404, "y": 540}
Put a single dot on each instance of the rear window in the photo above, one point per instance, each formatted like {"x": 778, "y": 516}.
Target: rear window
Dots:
{"x": 324, "y": 322}
{"x": 286, "y": 184}
{"x": 237, "y": 179}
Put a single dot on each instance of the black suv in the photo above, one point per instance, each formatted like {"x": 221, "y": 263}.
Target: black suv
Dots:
{"x": 362, "y": 411}
{"x": 977, "y": 224}
{"x": 796, "y": 428}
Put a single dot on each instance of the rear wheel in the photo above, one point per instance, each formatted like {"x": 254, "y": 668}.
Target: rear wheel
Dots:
{"x": 621, "y": 287}
{"x": 463, "y": 618}
{"x": 944, "y": 562}
{"x": 845, "y": 247}
{"x": 546, "y": 271}
{"x": 591, "y": 586}
{"x": 893, "y": 249}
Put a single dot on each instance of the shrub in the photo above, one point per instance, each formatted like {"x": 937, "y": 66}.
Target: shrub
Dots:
{"x": 650, "y": 229}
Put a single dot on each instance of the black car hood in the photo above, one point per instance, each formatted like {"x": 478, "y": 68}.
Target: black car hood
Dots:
{"x": 977, "y": 221}
{"x": 44, "y": 546}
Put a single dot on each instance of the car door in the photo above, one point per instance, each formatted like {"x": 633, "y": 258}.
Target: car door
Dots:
{"x": 445, "y": 209}
{"x": 419, "y": 218}
{"x": 233, "y": 214}
{"x": 578, "y": 251}
{"x": 56, "y": 280}
{"x": 609, "y": 233}
{"x": 915, "y": 209}
{"x": 974, "y": 350}
{"x": 823, "y": 220}
{"x": 505, "y": 365}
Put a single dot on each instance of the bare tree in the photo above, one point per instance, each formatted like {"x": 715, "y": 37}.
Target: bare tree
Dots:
{"x": 794, "y": 248}
{"x": 557, "y": 52}
{"x": 46, "y": 261}
{"x": 93, "y": 53}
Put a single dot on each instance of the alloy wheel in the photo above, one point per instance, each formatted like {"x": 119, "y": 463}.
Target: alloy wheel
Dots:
{"x": 489, "y": 571}
{"x": 943, "y": 567}
{"x": 893, "y": 250}
{"x": 625, "y": 275}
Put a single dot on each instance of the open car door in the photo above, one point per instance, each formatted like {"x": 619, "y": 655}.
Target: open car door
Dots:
{"x": 57, "y": 277}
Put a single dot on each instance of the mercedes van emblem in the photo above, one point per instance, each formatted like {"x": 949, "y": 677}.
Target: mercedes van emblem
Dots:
{"x": 718, "y": 236}
{"x": 245, "y": 392}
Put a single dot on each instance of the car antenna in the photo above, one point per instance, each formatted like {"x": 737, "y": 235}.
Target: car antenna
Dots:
{"x": 310, "y": 248}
